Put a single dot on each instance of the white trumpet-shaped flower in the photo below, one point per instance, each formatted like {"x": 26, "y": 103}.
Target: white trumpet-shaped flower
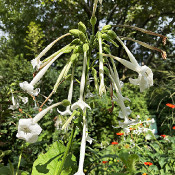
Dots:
{"x": 28, "y": 131}
{"x": 36, "y": 62}
{"x": 145, "y": 79}
{"x": 15, "y": 104}
{"x": 24, "y": 99}
{"x": 29, "y": 87}
{"x": 80, "y": 103}
{"x": 66, "y": 112}
{"x": 128, "y": 112}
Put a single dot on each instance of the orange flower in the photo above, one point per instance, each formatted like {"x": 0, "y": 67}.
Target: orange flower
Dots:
{"x": 20, "y": 110}
{"x": 173, "y": 127}
{"x": 163, "y": 135}
{"x": 104, "y": 162}
{"x": 119, "y": 133}
{"x": 114, "y": 143}
{"x": 144, "y": 174}
{"x": 170, "y": 105}
{"x": 148, "y": 163}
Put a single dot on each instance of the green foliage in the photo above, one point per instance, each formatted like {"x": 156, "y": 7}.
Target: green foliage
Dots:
{"x": 52, "y": 158}
{"x": 34, "y": 39}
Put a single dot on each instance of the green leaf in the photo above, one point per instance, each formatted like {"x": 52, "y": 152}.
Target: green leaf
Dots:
{"x": 47, "y": 163}
{"x": 5, "y": 170}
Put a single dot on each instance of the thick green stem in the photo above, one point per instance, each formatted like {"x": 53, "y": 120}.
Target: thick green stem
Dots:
{"x": 59, "y": 168}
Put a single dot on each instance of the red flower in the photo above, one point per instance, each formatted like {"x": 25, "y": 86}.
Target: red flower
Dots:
{"x": 173, "y": 127}
{"x": 170, "y": 105}
{"x": 114, "y": 143}
{"x": 148, "y": 163}
{"x": 119, "y": 133}
{"x": 163, "y": 135}
{"x": 104, "y": 162}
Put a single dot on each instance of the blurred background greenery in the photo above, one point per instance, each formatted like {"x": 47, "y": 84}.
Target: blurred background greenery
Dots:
{"x": 27, "y": 26}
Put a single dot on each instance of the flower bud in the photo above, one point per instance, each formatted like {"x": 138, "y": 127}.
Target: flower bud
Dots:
{"x": 74, "y": 56}
{"x": 75, "y": 32}
{"x": 112, "y": 34}
{"x": 93, "y": 20}
{"x": 105, "y": 28}
{"x": 68, "y": 49}
{"x": 82, "y": 37}
{"x": 106, "y": 37}
{"x": 65, "y": 102}
{"x": 77, "y": 49}
{"x": 82, "y": 27}
{"x": 85, "y": 47}
{"x": 76, "y": 41}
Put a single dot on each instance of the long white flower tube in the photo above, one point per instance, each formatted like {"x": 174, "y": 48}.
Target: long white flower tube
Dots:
{"x": 15, "y": 104}
{"x": 82, "y": 147}
{"x": 130, "y": 55}
{"x": 29, "y": 87}
{"x": 40, "y": 115}
{"x": 101, "y": 69}
{"x": 80, "y": 103}
{"x": 36, "y": 62}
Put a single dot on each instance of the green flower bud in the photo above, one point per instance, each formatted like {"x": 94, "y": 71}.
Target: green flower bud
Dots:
{"x": 107, "y": 50}
{"x": 76, "y": 41}
{"x": 82, "y": 27}
{"x": 93, "y": 20}
{"x": 85, "y": 47}
{"x": 77, "y": 49}
{"x": 74, "y": 56}
{"x": 68, "y": 49}
{"x": 106, "y": 70}
{"x": 112, "y": 34}
{"x": 99, "y": 35}
{"x": 105, "y": 28}
{"x": 106, "y": 37}
{"x": 65, "y": 102}
{"x": 82, "y": 37}
{"x": 74, "y": 32}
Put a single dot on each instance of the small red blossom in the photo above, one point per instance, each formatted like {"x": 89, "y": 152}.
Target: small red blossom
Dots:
{"x": 114, "y": 143}
{"x": 148, "y": 163}
{"x": 104, "y": 162}
{"x": 119, "y": 133}
{"x": 170, "y": 105}
{"x": 163, "y": 135}
{"x": 173, "y": 127}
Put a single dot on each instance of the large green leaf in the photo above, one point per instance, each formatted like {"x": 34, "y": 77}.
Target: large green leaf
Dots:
{"x": 47, "y": 163}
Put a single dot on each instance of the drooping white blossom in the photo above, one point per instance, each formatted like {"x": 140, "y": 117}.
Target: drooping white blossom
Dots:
{"x": 24, "y": 99}
{"x": 15, "y": 104}
{"x": 29, "y": 87}
{"x": 145, "y": 78}
{"x": 80, "y": 103}
{"x": 28, "y": 131}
